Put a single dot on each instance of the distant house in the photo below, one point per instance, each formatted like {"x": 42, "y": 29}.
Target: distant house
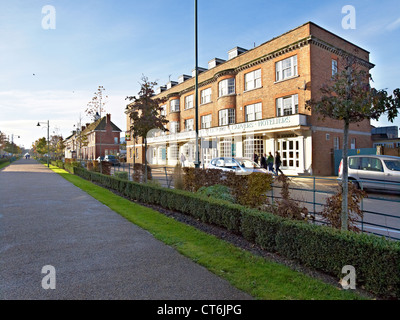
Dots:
{"x": 71, "y": 146}
{"x": 387, "y": 140}
{"x": 100, "y": 138}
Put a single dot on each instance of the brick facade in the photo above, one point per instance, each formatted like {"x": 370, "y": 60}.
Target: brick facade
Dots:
{"x": 102, "y": 137}
{"x": 300, "y": 136}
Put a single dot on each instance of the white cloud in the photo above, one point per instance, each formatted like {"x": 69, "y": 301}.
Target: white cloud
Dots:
{"x": 394, "y": 25}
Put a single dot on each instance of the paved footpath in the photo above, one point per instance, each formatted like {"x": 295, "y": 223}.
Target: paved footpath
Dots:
{"x": 96, "y": 253}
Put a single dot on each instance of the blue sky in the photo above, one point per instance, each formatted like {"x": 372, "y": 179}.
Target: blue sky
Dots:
{"x": 112, "y": 43}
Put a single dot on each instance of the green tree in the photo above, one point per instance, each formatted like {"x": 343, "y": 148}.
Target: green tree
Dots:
{"x": 145, "y": 112}
{"x": 350, "y": 98}
{"x": 2, "y": 141}
{"x": 40, "y": 146}
{"x": 57, "y": 145}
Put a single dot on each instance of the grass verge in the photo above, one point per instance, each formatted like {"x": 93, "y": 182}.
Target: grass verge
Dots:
{"x": 4, "y": 164}
{"x": 255, "y": 275}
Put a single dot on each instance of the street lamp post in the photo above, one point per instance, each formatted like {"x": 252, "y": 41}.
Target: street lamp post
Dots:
{"x": 12, "y": 143}
{"x": 48, "y": 140}
{"x": 196, "y": 161}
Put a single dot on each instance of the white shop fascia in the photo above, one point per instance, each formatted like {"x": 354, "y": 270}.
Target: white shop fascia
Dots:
{"x": 272, "y": 125}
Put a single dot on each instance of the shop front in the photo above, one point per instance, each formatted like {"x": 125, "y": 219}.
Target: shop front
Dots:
{"x": 290, "y": 136}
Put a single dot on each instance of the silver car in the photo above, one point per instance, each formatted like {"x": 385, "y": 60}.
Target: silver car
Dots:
{"x": 239, "y": 165}
{"x": 373, "y": 172}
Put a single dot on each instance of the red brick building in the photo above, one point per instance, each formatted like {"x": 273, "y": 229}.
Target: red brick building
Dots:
{"x": 101, "y": 137}
{"x": 254, "y": 102}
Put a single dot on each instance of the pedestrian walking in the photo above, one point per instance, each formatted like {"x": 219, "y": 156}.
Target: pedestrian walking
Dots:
{"x": 183, "y": 159}
{"x": 270, "y": 162}
{"x": 278, "y": 163}
{"x": 263, "y": 162}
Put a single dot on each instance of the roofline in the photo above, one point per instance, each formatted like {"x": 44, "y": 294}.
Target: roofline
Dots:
{"x": 274, "y": 38}
{"x": 334, "y": 34}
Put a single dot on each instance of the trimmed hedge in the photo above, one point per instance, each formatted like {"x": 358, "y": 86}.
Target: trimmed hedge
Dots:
{"x": 4, "y": 160}
{"x": 376, "y": 260}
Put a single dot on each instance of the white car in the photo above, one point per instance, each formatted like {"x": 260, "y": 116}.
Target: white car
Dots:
{"x": 373, "y": 172}
{"x": 239, "y": 165}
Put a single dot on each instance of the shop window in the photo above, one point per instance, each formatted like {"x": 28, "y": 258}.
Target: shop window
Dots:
{"x": 252, "y": 145}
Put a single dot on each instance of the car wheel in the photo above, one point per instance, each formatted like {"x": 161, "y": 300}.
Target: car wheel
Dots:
{"x": 355, "y": 183}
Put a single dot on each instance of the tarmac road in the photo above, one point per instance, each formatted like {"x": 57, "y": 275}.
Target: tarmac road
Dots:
{"x": 96, "y": 253}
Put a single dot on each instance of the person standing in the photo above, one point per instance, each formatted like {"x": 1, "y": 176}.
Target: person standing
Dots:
{"x": 255, "y": 158}
{"x": 263, "y": 162}
{"x": 278, "y": 163}
{"x": 270, "y": 162}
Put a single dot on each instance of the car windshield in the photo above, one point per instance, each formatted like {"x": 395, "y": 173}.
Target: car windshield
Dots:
{"x": 245, "y": 163}
{"x": 393, "y": 165}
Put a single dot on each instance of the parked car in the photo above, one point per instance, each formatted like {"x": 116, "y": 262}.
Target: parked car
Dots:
{"x": 100, "y": 159}
{"x": 239, "y": 165}
{"x": 112, "y": 159}
{"x": 373, "y": 172}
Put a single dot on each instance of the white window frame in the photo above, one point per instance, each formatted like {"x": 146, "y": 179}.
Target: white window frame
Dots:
{"x": 291, "y": 152}
{"x": 336, "y": 143}
{"x": 226, "y": 87}
{"x": 253, "y": 144}
{"x": 226, "y": 116}
{"x": 206, "y": 121}
{"x": 353, "y": 143}
{"x": 174, "y": 105}
{"x": 189, "y": 124}
{"x": 189, "y": 102}
{"x": 286, "y": 69}
{"x": 252, "y": 80}
{"x": 205, "y": 96}
{"x": 163, "y": 111}
{"x": 174, "y": 127}
{"x": 173, "y": 151}
{"x": 253, "y": 112}
{"x": 288, "y": 105}
{"x": 334, "y": 67}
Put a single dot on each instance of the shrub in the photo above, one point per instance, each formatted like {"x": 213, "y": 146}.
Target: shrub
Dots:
{"x": 139, "y": 171}
{"x": 70, "y": 165}
{"x": 60, "y": 164}
{"x": 249, "y": 189}
{"x": 121, "y": 175}
{"x": 106, "y": 168}
{"x": 333, "y": 208}
{"x": 218, "y": 192}
{"x": 178, "y": 177}
{"x": 376, "y": 260}
{"x": 288, "y": 207}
